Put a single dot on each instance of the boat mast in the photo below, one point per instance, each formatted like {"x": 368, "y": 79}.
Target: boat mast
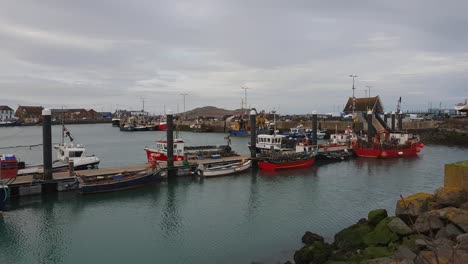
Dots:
{"x": 63, "y": 128}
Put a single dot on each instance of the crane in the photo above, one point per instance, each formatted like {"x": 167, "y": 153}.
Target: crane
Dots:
{"x": 398, "y": 106}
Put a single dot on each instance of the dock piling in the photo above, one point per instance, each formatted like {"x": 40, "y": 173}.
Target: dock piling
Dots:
{"x": 47, "y": 143}
{"x": 393, "y": 121}
{"x": 400, "y": 121}
{"x": 370, "y": 128}
{"x": 71, "y": 168}
{"x": 253, "y": 137}
{"x": 170, "y": 145}
{"x": 314, "y": 127}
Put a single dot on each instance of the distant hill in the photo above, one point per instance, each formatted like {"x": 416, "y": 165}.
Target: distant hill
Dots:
{"x": 211, "y": 111}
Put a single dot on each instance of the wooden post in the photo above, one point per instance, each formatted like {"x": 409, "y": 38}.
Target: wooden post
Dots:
{"x": 253, "y": 137}
{"x": 370, "y": 128}
{"x": 170, "y": 145}
{"x": 47, "y": 143}
{"x": 400, "y": 121}
{"x": 71, "y": 168}
{"x": 314, "y": 127}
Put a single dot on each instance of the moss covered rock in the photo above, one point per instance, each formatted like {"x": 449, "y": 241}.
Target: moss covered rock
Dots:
{"x": 352, "y": 237}
{"x": 376, "y": 252}
{"x": 340, "y": 262}
{"x": 412, "y": 206}
{"x": 375, "y": 216}
{"x": 381, "y": 235}
{"x": 450, "y": 196}
{"x": 316, "y": 253}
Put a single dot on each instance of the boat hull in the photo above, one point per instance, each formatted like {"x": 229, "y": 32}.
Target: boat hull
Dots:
{"x": 161, "y": 127}
{"x": 234, "y": 168}
{"x": 239, "y": 133}
{"x": 115, "y": 122}
{"x": 396, "y": 152}
{"x": 3, "y": 197}
{"x": 119, "y": 185}
{"x": 154, "y": 155}
{"x": 289, "y": 165}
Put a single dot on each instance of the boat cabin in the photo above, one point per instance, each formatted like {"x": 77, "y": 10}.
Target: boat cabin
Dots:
{"x": 179, "y": 144}
{"x": 271, "y": 142}
{"x": 342, "y": 138}
{"x": 299, "y": 130}
{"x": 66, "y": 152}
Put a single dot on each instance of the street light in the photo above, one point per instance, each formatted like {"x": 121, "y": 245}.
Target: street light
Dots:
{"x": 354, "y": 98}
{"x": 184, "y": 94}
{"x": 245, "y": 96}
{"x": 369, "y": 88}
{"x": 353, "y": 76}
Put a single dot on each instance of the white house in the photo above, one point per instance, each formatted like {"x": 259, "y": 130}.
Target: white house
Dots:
{"x": 6, "y": 113}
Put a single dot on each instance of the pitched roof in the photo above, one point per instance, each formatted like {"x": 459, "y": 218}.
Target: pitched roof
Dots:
{"x": 32, "y": 110}
{"x": 4, "y": 107}
{"x": 364, "y": 105}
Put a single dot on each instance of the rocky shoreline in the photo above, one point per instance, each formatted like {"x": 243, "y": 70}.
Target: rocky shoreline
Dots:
{"x": 426, "y": 229}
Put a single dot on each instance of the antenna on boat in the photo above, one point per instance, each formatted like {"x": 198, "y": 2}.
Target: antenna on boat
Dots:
{"x": 274, "y": 121}
{"x": 63, "y": 127}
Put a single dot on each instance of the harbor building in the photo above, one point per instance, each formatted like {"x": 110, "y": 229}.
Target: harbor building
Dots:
{"x": 6, "y": 113}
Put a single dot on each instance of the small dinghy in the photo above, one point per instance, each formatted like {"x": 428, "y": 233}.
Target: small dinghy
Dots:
{"x": 117, "y": 182}
{"x": 216, "y": 170}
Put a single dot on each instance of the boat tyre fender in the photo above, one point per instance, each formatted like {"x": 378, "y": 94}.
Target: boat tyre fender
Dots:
{"x": 198, "y": 173}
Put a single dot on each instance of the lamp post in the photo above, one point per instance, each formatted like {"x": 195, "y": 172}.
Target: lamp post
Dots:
{"x": 354, "y": 98}
{"x": 184, "y": 94}
{"x": 368, "y": 87}
{"x": 245, "y": 96}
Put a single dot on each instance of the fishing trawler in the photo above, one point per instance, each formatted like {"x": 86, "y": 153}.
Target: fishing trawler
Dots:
{"x": 386, "y": 143}
{"x": 303, "y": 156}
{"x": 71, "y": 151}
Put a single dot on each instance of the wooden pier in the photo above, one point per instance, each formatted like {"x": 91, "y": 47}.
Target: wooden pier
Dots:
{"x": 63, "y": 181}
{"x": 32, "y": 184}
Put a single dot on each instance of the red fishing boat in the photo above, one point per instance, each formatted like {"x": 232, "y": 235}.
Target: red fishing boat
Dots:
{"x": 389, "y": 145}
{"x": 304, "y": 156}
{"x": 180, "y": 151}
{"x": 272, "y": 165}
{"x": 160, "y": 152}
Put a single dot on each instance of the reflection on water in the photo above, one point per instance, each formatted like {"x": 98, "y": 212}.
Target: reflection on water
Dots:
{"x": 255, "y": 216}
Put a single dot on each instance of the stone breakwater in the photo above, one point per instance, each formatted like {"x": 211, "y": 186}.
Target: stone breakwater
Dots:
{"x": 426, "y": 229}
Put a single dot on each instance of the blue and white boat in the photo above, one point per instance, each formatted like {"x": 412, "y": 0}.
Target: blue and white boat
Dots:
{"x": 301, "y": 132}
{"x": 117, "y": 182}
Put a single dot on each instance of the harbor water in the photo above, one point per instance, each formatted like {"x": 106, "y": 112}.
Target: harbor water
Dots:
{"x": 252, "y": 217}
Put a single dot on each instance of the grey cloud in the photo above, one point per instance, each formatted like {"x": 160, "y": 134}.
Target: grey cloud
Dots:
{"x": 293, "y": 54}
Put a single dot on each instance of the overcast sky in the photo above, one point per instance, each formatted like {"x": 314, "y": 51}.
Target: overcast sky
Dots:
{"x": 295, "y": 56}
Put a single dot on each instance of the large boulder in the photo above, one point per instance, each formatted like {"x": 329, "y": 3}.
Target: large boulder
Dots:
{"x": 376, "y": 252}
{"x": 309, "y": 238}
{"x": 381, "y": 235}
{"x": 399, "y": 227}
{"x": 352, "y": 237}
{"x": 427, "y": 222}
{"x": 384, "y": 260}
{"x": 409, "y": 208}
{"x": 403, "y": 253}
{"x": 450, "y": 196}
{"x": 317, "y": 253}
{"x": 449, "y": 256}
{"x": 377, "y": 215}
{"x": 455, "y": 215}
{"x": 450, "y": 231}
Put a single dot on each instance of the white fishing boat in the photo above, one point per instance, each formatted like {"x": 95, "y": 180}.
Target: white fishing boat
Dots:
{"x": 67, "y": 152}
{"x": 215, "y": 170}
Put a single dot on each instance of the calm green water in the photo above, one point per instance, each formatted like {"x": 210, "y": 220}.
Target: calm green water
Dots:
{"x": 237, "y": 219}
